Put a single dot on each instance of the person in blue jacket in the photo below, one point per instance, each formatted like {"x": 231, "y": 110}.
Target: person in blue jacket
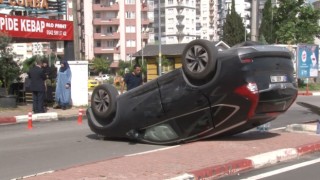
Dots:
{"x": 63, "y": 86}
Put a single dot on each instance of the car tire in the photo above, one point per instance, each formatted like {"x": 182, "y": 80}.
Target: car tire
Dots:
{"x": 199, "y": 61}
{"x": 104, "y": 101}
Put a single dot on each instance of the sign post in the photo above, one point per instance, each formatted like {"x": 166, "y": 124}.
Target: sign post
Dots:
{"x": 307, "y": 62}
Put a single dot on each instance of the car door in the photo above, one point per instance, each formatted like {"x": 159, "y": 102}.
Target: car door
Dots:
{"x": 185, "y": 107}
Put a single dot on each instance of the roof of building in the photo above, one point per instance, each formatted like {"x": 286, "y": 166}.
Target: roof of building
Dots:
{"x": 166, "y": 49}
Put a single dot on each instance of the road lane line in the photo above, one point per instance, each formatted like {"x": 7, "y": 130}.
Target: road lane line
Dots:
{"x": 282, "y": 170}
{"x": 151, "y": 151}
{"x": 34, "y": 175}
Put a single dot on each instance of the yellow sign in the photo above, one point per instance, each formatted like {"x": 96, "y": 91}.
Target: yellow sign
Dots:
{"x": 42, "y": 4}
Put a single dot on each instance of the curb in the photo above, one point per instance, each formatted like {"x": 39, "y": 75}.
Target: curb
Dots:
{"x": 309, "y": 93}
{"x": 249, "y": 163}
{"x": 70, "y": 117}
{"x": 49, "y": 116}
{"x": 310, "y": 128}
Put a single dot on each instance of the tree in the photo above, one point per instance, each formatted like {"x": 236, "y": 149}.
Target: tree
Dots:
{"x": 233, "y": 28}
{"x": 266, "y": 30}
{"x": 9, "y": 69}
{"x": 123, "y": 65}
{"x": 101, "y": 65}
{"x": 296, "y": 22}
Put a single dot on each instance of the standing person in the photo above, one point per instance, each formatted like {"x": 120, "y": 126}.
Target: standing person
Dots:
{"x": 37, "y": 86}
{"x": 48, "y": 93}
{"x": 63, "y": 86}
{"x": 133, "y": 79}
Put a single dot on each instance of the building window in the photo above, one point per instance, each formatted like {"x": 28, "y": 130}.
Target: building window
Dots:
{"x": 170, "y": 11}
{"x": 130, "y": 1}
{"x": 98, "y": 29}
{"x": 131, "y": 43}
{"x": 98, "y": 43}
{"x": 97, "y": 15}
{"x": 130, "y": 15}
{"x": 130, "y": 29}
{"x": 170, "y": 1}
{"x": 60, "y": 45}
{"x": 110, "y": 29}
{"x": 110, "y": 44}
{"x": 97, "y": 1}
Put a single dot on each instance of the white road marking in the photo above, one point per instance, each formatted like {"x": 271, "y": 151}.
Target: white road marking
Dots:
{"x": 33, "y": 175}
{"x": 282, "y": 170}
{"x": 146, "y": 152}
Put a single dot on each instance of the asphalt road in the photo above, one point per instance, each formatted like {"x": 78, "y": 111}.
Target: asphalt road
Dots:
{"x": 297, "y": 113}
{"x": 55, "y": 145}
{"x": 62, "y": 144}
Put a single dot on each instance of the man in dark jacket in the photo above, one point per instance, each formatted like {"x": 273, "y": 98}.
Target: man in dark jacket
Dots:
{"x": 133, "y": 79}
{"x": 37, "y": 86}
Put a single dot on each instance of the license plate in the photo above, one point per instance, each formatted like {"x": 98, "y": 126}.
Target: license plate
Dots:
{"x": 278, "y": 79}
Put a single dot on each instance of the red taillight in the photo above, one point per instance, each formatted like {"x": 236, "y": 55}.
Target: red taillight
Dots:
{"x": 249, "y": 91}
{"x": 246, "y": 60}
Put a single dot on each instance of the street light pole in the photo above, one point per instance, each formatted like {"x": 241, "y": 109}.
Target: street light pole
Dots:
{"x": 76, "y": 42}
{"x": 142, "y": 46}
{"x": 159, "y": 35}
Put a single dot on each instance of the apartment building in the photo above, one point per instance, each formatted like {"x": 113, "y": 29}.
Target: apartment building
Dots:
{"x": 210, "y": 17}
{"x": 114, "y": 29}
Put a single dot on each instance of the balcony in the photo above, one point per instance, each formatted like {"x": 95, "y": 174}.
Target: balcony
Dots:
{"x": 145, "y": 21}
{"x": 105, "y": 7}
{"x": 180, "y": 34}
{"x": 114, "y": 35}
{"x": 144, "y": 7}
{"x": 106, "y": 50}
{"x": 180, "y": 17}
{"x": 180, "y": 26}
{"x": 145, "y": 35}
{"x": 111, "y": 21}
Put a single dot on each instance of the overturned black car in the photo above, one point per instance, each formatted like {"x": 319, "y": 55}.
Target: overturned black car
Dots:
{"x": 213, "y": 94}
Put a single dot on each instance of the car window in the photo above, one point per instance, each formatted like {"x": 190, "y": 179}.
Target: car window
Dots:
{"x": 185, "y": 126}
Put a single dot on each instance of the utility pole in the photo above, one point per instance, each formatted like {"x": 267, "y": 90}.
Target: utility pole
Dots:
{"x": 254, "y": 19}
{"x": 76, "y": 40}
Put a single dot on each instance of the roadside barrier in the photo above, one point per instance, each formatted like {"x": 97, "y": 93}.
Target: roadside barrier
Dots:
{"x": 80, "y": 116}
{"x": 30, "y": 120}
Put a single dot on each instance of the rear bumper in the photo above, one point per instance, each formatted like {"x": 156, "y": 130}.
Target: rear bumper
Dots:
{"x": 277, "y": 98}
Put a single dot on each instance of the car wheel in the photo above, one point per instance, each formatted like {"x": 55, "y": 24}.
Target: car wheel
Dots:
{"x": 199, "y": 60}
{"x": 103, "y": 101}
